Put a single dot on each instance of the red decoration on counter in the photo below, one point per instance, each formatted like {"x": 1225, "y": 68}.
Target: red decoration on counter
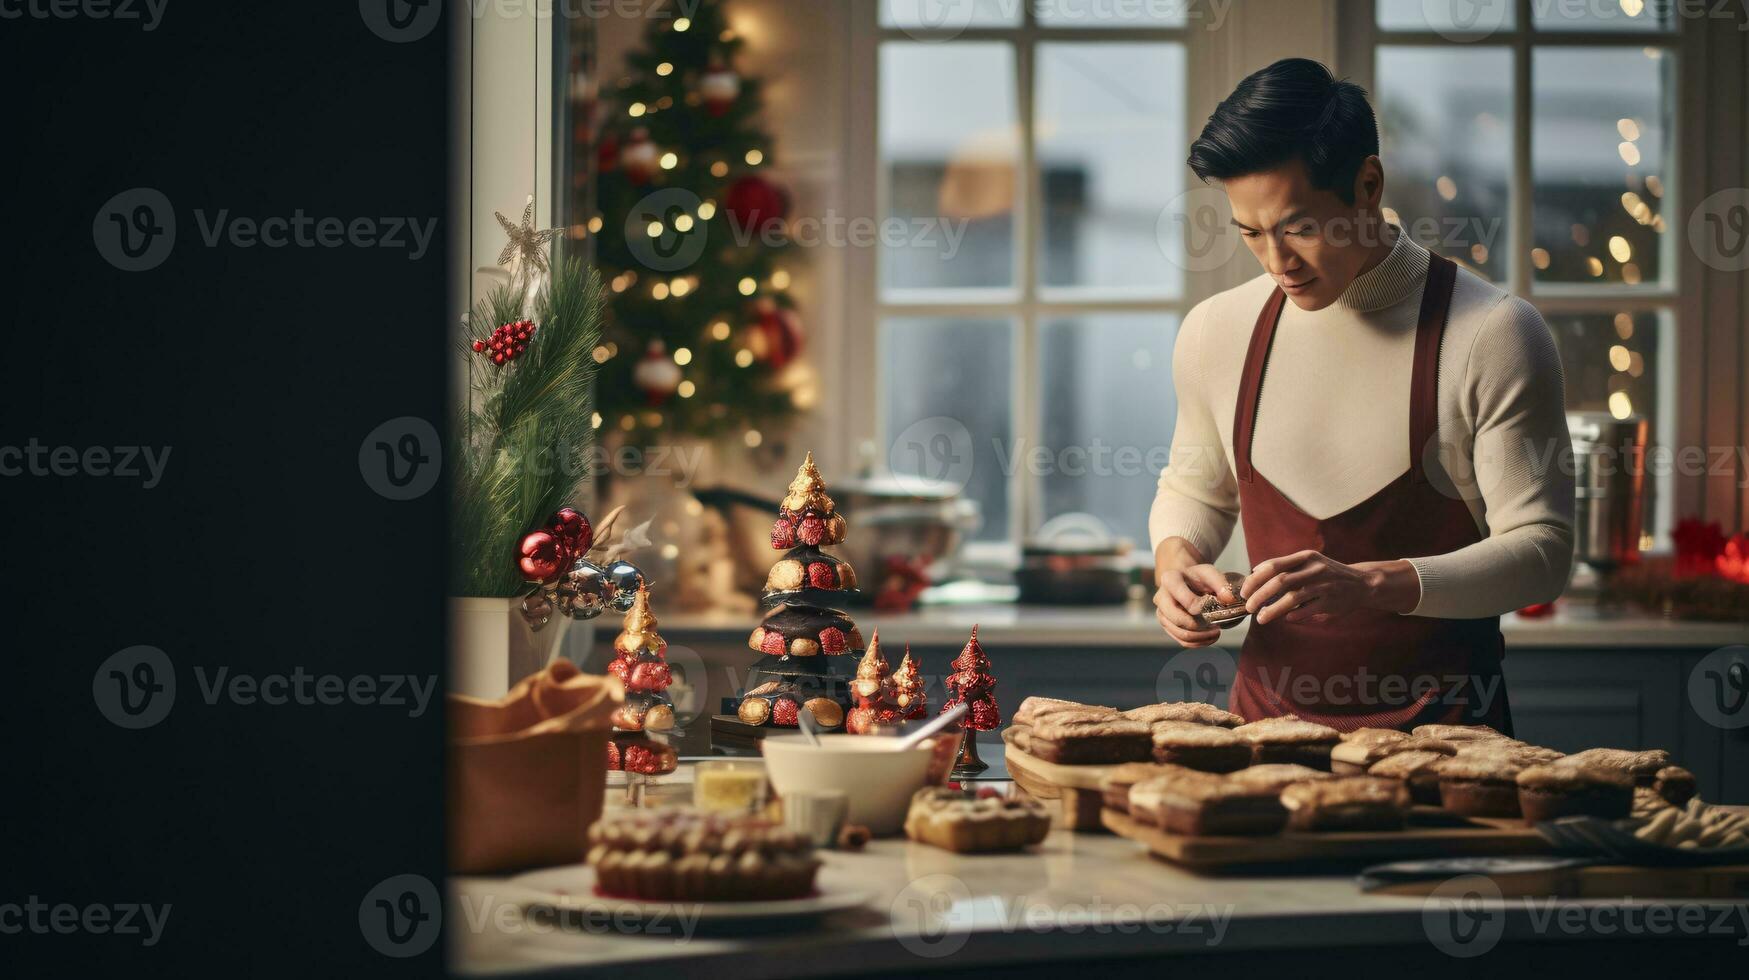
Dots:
{"x": 1733, "y": 562}
{"x": 873, "y": 689}
{"x": 1698, "y": 547}
{"x": 902, "y": 580}
{"x": 1537, "y": 610}
{"x": 971, "y": 684}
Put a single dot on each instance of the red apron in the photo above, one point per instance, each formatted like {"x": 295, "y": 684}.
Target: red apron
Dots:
{"x": 1367, "y": 668}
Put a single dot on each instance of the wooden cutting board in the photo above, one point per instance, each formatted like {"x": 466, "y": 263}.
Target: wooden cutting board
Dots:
{"x": 1076, "y": 786}
{"x": 1478, "y": 837}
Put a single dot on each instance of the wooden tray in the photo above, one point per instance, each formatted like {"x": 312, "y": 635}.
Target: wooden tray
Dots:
{"x": 1480, "y": 837}
{"x": 1076, "y": 786}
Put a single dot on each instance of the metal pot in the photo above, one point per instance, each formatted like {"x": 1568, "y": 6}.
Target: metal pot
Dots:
{"x": 903, "y": 516}
{"x": 1074, "y": 559}
{"x": 1609, "y": 470}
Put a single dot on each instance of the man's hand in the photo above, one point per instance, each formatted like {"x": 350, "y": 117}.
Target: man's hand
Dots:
{"x": 1308, "y": 587}
{"x": 1183, "y": 577}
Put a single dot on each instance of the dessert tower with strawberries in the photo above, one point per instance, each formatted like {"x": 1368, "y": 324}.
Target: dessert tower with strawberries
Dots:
{"x": 807, "y": 640}
{"x": 641, "y": 664}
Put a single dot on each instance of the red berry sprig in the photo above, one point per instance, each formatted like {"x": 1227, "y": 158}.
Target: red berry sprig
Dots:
{"x": 507, "y": 342}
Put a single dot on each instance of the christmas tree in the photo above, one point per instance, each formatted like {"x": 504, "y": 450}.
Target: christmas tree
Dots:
{"x": 873, "y": 688}
{"x": 971, "y": 684}
{"x": 689, "y": 237}
{"x": 806, "y": 636}
{"x": 908, "y": 688}
{"x": 642, "y": 667}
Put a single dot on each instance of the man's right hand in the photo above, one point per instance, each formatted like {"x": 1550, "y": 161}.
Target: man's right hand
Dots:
{"x": 1184, "y": 577}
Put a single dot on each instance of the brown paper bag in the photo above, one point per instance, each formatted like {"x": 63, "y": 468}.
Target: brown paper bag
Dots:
{"x": 527, "y": 772}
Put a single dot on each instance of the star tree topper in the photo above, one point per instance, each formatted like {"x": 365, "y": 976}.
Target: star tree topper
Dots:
{"x": 526, "y": 252}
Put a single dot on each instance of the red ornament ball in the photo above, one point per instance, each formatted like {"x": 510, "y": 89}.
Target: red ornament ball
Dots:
{"x": 621, "y": 668}
{"x": 783, "y": 712}
{"x": 650, "y": 676}
{"x": 572, "y": 529}
{"x": 753, "y": 203}
{"x": 540, "y": 557}
{"x": 779, "y": 334}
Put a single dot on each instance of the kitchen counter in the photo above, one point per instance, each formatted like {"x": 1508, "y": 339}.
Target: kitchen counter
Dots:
{"x": 1076, "y": 898}
{"x": 1574, "y": 625}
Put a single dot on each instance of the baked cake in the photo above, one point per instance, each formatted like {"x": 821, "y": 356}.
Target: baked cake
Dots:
{"x": 685, "y": 855}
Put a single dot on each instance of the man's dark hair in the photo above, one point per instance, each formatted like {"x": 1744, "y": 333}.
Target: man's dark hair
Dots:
{"x": 1293, "y": 108}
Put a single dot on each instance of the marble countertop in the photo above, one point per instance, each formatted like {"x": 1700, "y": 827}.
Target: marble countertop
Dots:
{"x": 1574, "y": 625}
{"x": 1075, "y": 898}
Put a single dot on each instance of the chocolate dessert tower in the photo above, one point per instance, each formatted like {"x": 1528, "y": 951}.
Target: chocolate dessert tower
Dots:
{"x": 806, "y": 639}
{"x": 641, "y": 665}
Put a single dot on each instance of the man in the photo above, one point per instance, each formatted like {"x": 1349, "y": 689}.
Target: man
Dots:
{"x": 1388, "y": 427}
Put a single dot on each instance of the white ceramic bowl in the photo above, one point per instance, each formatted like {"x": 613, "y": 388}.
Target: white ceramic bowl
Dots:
{"x": 877, "y": 778}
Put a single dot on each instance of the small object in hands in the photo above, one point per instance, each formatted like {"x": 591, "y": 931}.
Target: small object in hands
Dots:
{"x": 817, "y": 815}
{"x": 1212, "y": 613}
{"x": 953, "y": 821}
{"x": 853, "y": 837}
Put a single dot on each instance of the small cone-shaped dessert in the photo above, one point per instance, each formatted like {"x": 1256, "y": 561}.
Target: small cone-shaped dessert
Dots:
{"x": 971, "y": 684}
{"x": 908, "y": 693}
{"x": 873, "y": 690}
{"x": 640, "y": 664}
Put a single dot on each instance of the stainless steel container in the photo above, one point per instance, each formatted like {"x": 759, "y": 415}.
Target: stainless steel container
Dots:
{"x": 1609, "y": 469}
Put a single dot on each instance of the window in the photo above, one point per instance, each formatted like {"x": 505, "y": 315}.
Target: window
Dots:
{"x": 1025, "y": 315}
{"x": 1533, "y": 142}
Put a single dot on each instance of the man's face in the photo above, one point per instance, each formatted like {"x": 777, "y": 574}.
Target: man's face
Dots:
{"x": 1311, "y": 242}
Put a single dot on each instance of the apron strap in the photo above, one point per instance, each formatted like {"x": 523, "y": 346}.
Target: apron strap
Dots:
{"x": 1424, "y": 384}
{"x": 1251, "y": 382}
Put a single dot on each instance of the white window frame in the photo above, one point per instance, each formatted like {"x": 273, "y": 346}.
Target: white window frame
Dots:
{"x": 1678, "y": 337}
{"x": 1026, "y": 305}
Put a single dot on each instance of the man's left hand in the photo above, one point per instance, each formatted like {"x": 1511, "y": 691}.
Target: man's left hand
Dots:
{"x": 1309, "y": 587}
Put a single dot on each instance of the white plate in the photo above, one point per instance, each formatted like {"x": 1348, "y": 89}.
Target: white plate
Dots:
{"x": 572, "y": 888}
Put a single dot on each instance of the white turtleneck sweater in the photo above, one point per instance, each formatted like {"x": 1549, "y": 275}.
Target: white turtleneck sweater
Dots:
{"x": 1333, "y": 425}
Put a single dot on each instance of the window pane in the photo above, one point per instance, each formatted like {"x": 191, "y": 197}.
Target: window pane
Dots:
{"x": 1445, "y": 129}
{"x": 1106, "y": 413}
{"x": 949, "y": 151}
{"x": 1110, "y": 141}
{"x": 1461, "y": 17}
{"x": 946, "y": 390}
{"x": 950, "y": 15}
{"x": 1623, "y": 364}
{"x": 1601, "y": 15}
{"x": 1112, "y": 13}
{"x": 1600, "y": 137}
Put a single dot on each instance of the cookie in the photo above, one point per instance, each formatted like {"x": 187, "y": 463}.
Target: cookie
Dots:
{"x": 1200, "y": 803}
{"x": 1082, "y": 739}
{"x": 1206, "y": 748}
{"x": 1642, "y": 766}
{"x": 1290, "y": 739}
{"x": 963, "y": 824}
{"x": 1346, "y": 803}
{"x": 1191, "y": 711}
{"x": 1552, "y": 791}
